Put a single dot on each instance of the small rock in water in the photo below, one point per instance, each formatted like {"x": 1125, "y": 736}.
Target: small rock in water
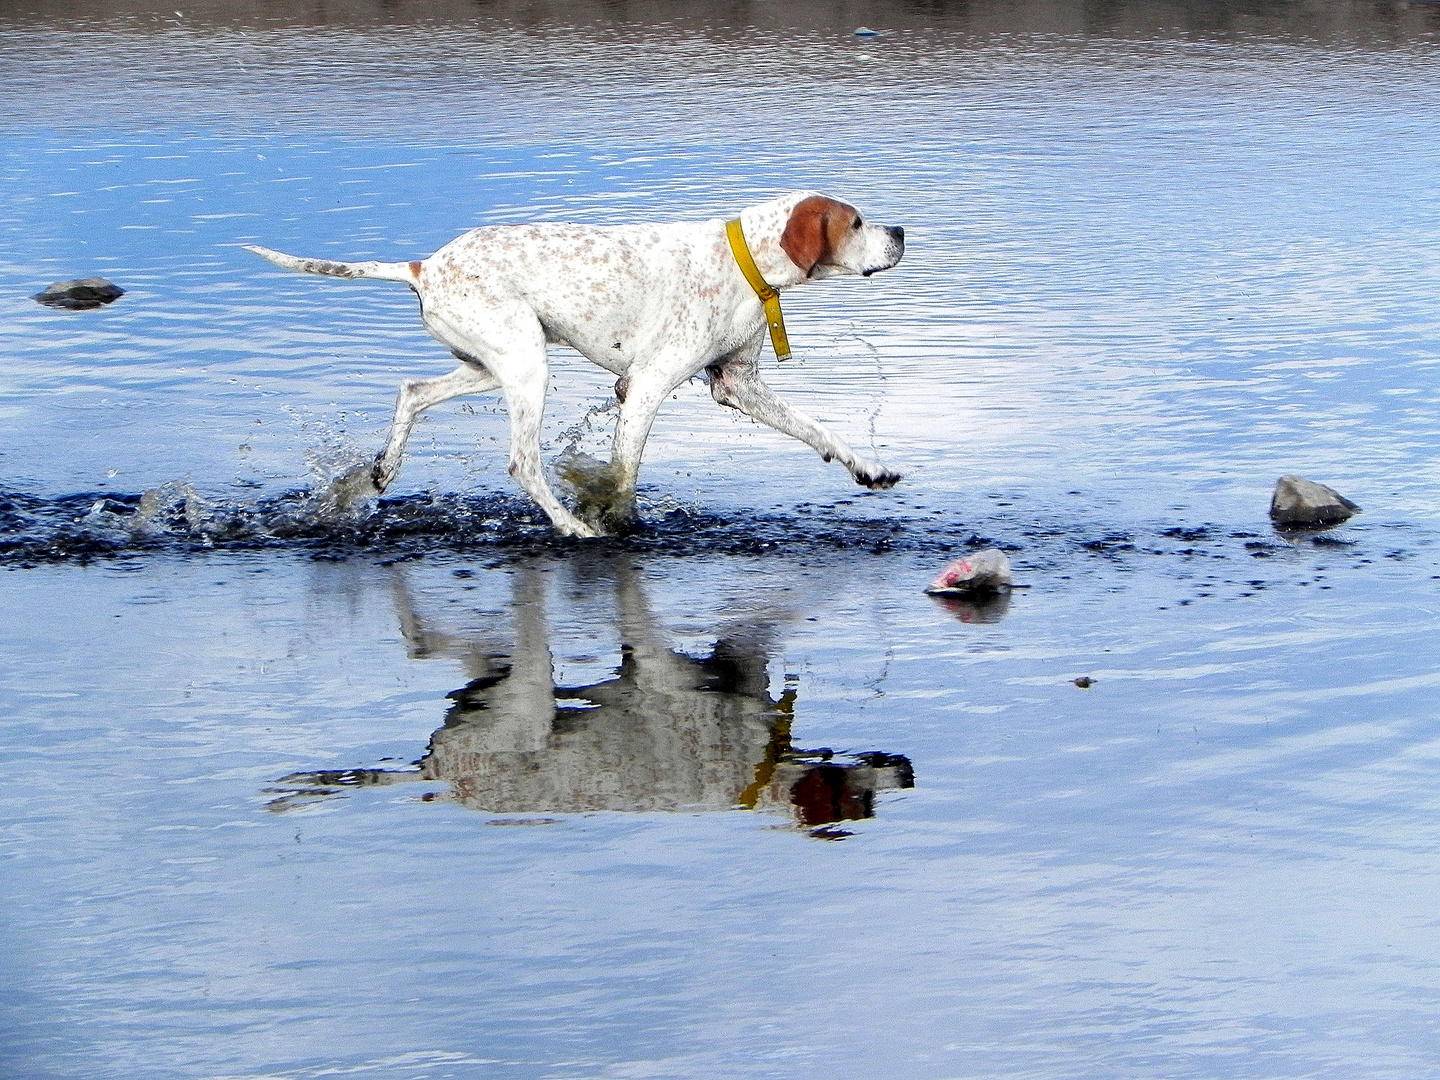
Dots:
{"x": 984, "y": 571}
{"x": 866, "y": 32}
{"x": 1299, "y": 503}
{"x": 81, "y": 294}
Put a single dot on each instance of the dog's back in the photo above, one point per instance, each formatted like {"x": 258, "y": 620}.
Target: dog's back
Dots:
{"x": 613, "y": 293}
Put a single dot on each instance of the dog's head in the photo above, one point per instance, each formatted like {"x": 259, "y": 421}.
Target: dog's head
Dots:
{"x": 822, "y": 237}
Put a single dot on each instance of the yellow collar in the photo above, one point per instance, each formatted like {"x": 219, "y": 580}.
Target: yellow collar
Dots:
{"x": 768, "y": 296}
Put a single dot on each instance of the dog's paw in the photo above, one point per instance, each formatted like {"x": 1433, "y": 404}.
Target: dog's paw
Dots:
{"x": 348, "y": 492}
{"x": 577, "y": 530}
{"x": 877, "y": 479}
{"x": 381, "y": 476}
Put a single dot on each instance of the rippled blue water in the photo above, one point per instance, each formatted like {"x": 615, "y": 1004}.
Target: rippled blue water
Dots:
{"x": 1148, "y": 272}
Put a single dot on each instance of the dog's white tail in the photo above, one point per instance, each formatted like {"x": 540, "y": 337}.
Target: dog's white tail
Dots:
{"x": 407, "y": 272}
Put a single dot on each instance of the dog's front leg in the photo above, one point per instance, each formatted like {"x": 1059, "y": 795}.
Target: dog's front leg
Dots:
{"x": 645, "y": 391}
{"x": 735, "y": 382}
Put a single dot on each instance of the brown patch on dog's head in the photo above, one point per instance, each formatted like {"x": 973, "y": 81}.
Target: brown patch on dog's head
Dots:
{"x": 815, "y": 229}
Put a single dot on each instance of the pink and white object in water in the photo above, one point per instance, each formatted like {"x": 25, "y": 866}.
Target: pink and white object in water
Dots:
{"x": 984, "y": 571}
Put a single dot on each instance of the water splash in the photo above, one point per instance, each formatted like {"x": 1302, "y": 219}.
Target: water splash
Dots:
{"x": 573, "y": 436}
{"x": 176, "y": 520}
{"x": 341, "y": 478}
{"x": 592, "y": 483}
{"x": 349, "y": 493}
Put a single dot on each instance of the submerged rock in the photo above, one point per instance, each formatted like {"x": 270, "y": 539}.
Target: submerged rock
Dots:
{"x": 81, "y": 294}
{"x": 984, "y": 571}
{"x": 1303, "y": 504}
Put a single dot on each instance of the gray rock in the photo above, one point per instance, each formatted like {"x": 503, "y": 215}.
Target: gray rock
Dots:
{"x": 1303, "y": 504}
{"x": 81, "y": 294}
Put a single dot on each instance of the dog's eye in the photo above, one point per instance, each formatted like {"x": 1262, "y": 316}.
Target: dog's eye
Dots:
{"x": 857, "y": 224}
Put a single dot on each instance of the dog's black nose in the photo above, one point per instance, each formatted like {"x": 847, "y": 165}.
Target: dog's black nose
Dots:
{"x": 897, "y": 232}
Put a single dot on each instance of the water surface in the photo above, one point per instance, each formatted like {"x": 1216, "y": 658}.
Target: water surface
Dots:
{"x": 425, "y": 792}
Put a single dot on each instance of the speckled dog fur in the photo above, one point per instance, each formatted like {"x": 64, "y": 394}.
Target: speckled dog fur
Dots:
{"x": 654, "y": 304}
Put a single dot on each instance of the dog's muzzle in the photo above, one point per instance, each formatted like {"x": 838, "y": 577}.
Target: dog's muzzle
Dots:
{"x": 895, "y": 253}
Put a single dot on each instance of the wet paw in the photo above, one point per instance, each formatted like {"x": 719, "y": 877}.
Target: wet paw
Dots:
{"x": 878, "y": 479}
{"x": 380, "y": 476}
{"x": 577, "y": 528}
{"x": 349, "y": 490}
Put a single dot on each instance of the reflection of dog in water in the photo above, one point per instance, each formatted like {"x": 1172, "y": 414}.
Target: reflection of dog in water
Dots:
{"x": 668, "y": 732}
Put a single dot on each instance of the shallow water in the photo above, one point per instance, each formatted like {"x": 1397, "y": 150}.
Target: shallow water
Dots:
{"x": 420, "y": 790}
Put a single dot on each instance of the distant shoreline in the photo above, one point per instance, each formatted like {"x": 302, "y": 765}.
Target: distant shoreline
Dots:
{"x": 1354, "y": 22}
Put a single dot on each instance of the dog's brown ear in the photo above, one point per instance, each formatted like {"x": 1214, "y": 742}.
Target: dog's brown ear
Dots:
{"x": 814, "y": 229}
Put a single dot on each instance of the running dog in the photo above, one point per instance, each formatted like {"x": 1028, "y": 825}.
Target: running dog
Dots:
{"x": 655, "y": 304}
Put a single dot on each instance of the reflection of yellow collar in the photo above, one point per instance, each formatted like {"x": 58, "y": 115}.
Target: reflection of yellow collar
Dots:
{"x": 768, "y": 296}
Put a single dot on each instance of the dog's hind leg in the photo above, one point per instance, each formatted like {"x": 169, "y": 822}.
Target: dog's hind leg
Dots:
{"x": 417, "y": 395}
{"x": 510, "y": 342}
{"x": 525, "y": 399}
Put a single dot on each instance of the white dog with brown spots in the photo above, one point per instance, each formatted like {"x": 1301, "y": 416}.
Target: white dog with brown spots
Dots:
{"x": 654, "y": 304}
